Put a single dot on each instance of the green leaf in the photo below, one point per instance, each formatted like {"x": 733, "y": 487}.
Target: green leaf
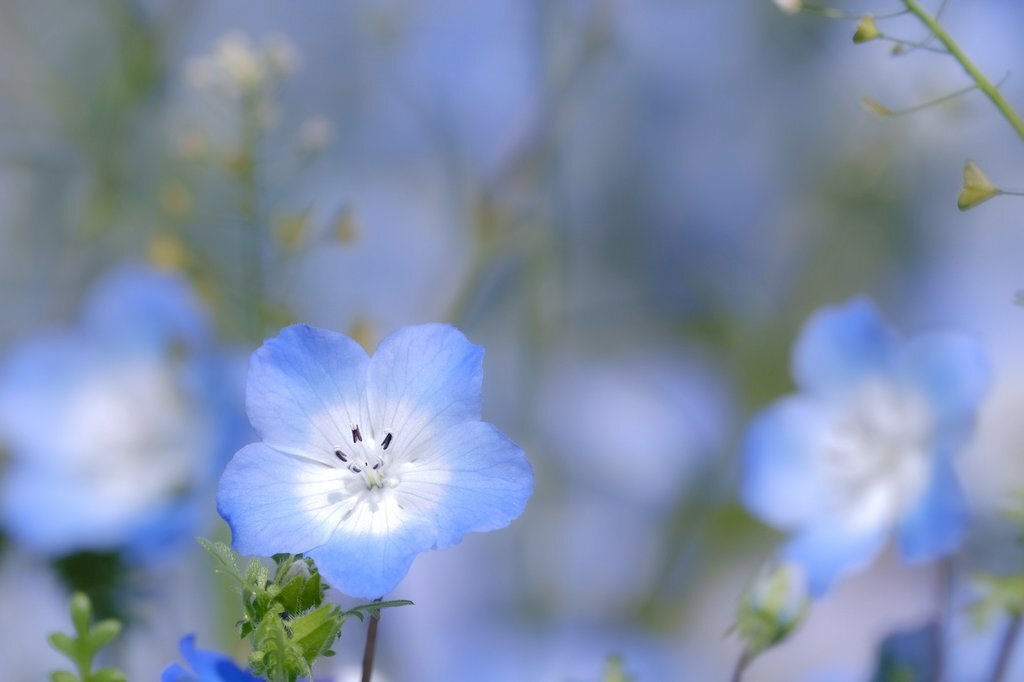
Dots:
{"x": 223, "y": 556}
{"x": 63, "y": 676}
{"x": 256, "y": 575}
{"x": 373, "y": 608}
{"x": 977, "y": 187}
{"x": 64, "y": 644}
{"x": 81, "y": 612}
{"x": 102, "y": 634}
{"x": 316, "y": 631}
{"x": 107, "y": 675}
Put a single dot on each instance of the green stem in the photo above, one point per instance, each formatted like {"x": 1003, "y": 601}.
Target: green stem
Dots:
{"x": 984, "y": 84}
{"x": 371, "y": 646}
{"x": 252, "y": 227}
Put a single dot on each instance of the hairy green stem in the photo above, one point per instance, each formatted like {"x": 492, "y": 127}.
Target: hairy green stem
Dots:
{"x": 983, "y": 83}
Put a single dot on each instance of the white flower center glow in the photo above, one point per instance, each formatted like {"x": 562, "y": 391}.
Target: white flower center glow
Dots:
{"x": 875, "y": 455}
{"x": 367, "y": 459}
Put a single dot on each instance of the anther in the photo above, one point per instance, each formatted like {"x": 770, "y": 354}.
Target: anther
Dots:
{"x": 387, "y": 441}
{"x": 340, "y": 455}
{"x": 354, "y": 469}
{"x": 356, "y": 436}
{"x": 379, "y": 464}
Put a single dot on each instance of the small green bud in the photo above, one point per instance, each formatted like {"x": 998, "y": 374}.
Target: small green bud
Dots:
{"x": 867, "y": 30}
{"x": 772, "y": 607}
{"x": 977, "y": 188}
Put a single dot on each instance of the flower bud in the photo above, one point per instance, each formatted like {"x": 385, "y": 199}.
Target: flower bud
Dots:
{"x": 772, "y": 607}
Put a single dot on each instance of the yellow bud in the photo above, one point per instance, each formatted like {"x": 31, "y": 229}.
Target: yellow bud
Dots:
{"x": 291, "y": 231}
{"x": 977, "y": 187}
{"x": 876, "y": 107}
{"x": 167, "y": 252}
{"x": 867, "y": 30}
{"x": 345, "y": 229}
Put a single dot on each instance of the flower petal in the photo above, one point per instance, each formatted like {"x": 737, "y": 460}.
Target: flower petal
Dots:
{"x": 471, "y": 478}
{"x": 828, "y": 550}
{"x": 935, "y": 526}
{"x": 277, "y": 502}
{"x": 779, "y": 482}
{"x": 373, "y": 549}
{"x": 842, "y": 344}
{"x": 305, "y": 390}
{"x": 423, "y": 378}
{"x": 953, "y": 371}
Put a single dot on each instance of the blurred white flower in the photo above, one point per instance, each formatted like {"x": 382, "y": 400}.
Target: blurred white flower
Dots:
{"x": 315, "y": 134}
{"x": 236, "y": 64}
{"x": 789, "y": 6}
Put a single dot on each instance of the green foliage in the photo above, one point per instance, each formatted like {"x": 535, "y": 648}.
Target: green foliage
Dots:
{"x": 284, "y": 616}
{"x": 770, "y": 610}
{"x": 101, "y": 575}
{"x": 87, "y": 642}
{"x": 615, "y": 671}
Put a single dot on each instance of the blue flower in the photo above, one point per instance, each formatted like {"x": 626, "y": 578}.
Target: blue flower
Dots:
{"x": 116, "y": 424}
{"x": 365, "y": 462}
{"x": 866, "y": 448}
{"x": 207, "y": 666}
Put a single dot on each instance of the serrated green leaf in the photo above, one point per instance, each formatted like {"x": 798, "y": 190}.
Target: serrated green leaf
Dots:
{"x": 63, "y": 676}
{"x": 81, "y": 612}
{"x": 290, "y": 595}
{"x": 108, "y": 675}
{"x": 313, "y": 593}
{"x": 102, "y": 634}
{"x": 64, "y": 644}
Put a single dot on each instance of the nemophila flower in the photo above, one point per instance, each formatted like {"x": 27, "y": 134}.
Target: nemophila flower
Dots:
{"x": 866, "y": 448}
{"x": 114, "y": 425}
{"x": 365, "y": 462}
{"x": 206, "y": 666}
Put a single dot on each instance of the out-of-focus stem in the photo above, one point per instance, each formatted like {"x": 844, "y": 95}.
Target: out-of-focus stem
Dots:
{"x": 983, "y": 83}
{"x": 741, "y": 665}
{"x": 1005, "y": 651}
{"x": 252, "y": 229}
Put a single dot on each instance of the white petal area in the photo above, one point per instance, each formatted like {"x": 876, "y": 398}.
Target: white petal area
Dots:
{"x": 372, "y": 549}
{"x": 277, "y": 502}
{"x": 305, "y": 389}
{"x": 471, "y": 478}
{"x": 421, "y": 380}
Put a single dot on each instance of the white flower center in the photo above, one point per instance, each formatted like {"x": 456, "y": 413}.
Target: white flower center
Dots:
{"x": 875, "y": 456}
{"x": 367, "y": 459}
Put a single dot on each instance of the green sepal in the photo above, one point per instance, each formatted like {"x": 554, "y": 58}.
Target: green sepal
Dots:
{"x": 224, "y": 558}
{"x": 867, "y": 30}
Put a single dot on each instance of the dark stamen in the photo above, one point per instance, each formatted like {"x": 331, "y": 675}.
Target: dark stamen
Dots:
{"x": 354, "y": 469}
{"x": 387, "y": 441}
{"x": 341, "y": 455}
{"x": 356, "y": 436}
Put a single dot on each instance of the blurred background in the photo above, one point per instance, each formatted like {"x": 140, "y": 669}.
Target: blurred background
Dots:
{"x": 631, "y": 204}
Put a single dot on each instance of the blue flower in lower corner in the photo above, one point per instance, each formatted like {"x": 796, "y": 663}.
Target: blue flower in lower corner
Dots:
{"x": 365, "y": 462}
{"x": 207, "y": 666}
{"x": 866, "y": 448}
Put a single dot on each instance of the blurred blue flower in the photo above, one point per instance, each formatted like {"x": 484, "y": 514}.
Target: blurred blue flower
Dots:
{"x": 116, "y": 425}
{"x": 207, "y": 666}
{"x": 365, "y": 462}
{"x": 866, "y": 447}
